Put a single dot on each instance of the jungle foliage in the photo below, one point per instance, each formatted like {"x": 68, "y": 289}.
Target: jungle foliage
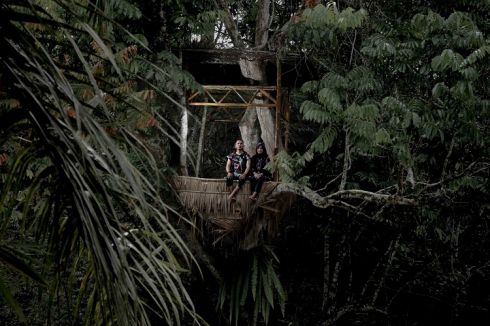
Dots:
{"x": 389, "y": 149}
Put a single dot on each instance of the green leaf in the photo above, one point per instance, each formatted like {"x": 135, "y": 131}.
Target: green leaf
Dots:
{"x": 462, "y": 90}
{"x": 439, "y": 90}
{"x": 314, "y": 112}
{"x": 7, "y": 295}
{"x": 416, "y": 120}
{"x": 469, "y": 73}
{"x": 333, "y": 81}
{"x": 255, "y": 273}
{"x": 108, "y": 53}
{"x": 330, "y": 99}
{"x": 267, "y": 287}
{"x": 407, "y": 120}
{"x": 310, "y": 87}
{"x": 382, "y": 137}
{"x": 324, "y": 141}
{"x": 476, "y": 55}
{"x": 15, "y": 259}
{"x": 245, "y": 288}
{"x": 448, "y": 59}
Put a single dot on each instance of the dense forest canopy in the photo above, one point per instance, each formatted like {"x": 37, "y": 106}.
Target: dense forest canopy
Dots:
{"x": 388, "y": 156}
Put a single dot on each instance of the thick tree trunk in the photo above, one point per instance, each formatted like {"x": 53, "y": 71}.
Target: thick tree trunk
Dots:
{"x": 249, "y": 130}
{"x": 254, "y": 69}
{"x": 267, "y": 128}
{"x": 266, "y": 117}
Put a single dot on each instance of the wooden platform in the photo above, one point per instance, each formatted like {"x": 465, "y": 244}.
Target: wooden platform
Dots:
{"x": 243, "y": 219}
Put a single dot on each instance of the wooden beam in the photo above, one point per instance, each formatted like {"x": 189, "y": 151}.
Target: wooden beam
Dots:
{"x": 233, "y": 105}
{"x": 238, "y": 87}
{"x": 246, "y": 96}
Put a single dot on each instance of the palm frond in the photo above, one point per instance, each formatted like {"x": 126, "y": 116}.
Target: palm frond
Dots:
{"x": 96, "y": 188}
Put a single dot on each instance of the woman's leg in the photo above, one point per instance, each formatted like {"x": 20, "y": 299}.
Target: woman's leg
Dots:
{"x": 258, "y": 185}
{"x": 255, "y": 185}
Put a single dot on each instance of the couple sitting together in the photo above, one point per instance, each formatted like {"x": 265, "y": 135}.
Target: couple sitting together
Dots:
{"x": 240, "y": 166}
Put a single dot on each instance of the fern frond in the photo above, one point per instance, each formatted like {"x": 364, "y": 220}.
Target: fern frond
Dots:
{"x": 310, "y": 87}
{"x": 476, "y": 55}
{"x": 362, "y": 80}
{"x": 126, "y": 9}
{"x": 459, "y": 21}
{"x": 424, "y": 25}
{"x": 324, "y": 141}
{"x": 382, "y": 137}
{"x": 314, "y": 112}
{"x": 378, "y": 46}
{"x": 462, "y": 90}
{"x": 392, "y": 104}
{"x": 255, "y": 284}
{"x": 439, "y": 90}
{"x": 448, "y": 59}
{"x": 321, "y": 16}
{"x": 330, "y": 99}
{"x": 469, "y": 73}
{"x": 333, "y": 81}
{"x": 348, "y": 18}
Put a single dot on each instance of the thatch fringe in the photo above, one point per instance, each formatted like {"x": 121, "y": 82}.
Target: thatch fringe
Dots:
{"x": 243, "y": 219}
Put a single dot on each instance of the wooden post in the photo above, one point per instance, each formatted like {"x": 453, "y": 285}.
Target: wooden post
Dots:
{"x": 287, "y": 117}
{"x": 278, "y": 103}
{"x": 201, "y": 140}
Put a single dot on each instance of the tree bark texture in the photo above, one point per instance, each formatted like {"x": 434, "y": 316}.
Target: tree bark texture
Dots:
{"x": 249, "y": 130}
{"x": 184, "y": 131}
{"x": 262, "y": 24}
{"x": 267, "y": 127}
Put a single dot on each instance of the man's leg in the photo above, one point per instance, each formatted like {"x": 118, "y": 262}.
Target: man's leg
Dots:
{"x": 234, "y": 192}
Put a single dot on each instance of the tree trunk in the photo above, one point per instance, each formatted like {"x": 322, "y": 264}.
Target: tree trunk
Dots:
{"x": 249, "y": 130}
{"x": 254, "y": 69}
{"x": 268, "y": 127}
{"x": 184, "y": 131}
{"x": 262, "y": 24}
{"x": 201, "y": 140}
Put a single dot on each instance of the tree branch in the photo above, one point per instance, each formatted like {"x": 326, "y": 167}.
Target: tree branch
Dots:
{"x": 349, "y": 309}
{"x": 446, "y": 160}
{"x": 373, "y": 197}
{"x": 347, "y": 161}
{"x": 334, "y": 199}
{"x": 231, "y": 27}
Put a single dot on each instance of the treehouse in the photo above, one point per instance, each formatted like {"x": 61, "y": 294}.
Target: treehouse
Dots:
{"x": 226, "y": 76}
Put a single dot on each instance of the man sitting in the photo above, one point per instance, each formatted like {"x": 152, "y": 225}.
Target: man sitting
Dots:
{"x": 237, "y": 168}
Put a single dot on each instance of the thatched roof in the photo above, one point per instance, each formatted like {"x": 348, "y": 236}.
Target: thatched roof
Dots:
{"x": 242, "y": 219}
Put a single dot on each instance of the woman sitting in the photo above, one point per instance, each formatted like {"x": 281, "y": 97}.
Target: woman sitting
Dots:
{"x": 259, "y": 173}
